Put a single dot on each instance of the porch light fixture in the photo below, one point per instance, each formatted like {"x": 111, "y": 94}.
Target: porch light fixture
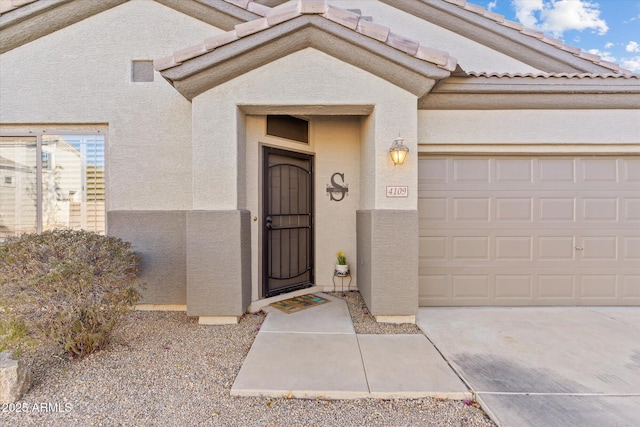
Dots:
{"x": 398, "y": 151}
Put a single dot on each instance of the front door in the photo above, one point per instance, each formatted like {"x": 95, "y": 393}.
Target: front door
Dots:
{"x": 288, "y": 221}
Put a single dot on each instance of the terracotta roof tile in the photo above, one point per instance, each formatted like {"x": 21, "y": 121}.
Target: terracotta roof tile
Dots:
{"x": 474, "y": 8}
{"x": 282, "y": 13}
{"x": 433, "y": 55}
{"x": 511, "y": 24}
{"x": 373, "y": 30}
{"x": 189, "y": 52}
{"x": 554, "y": 75}
{"x": 220, "y": 39}
{"x": 240, "y": 3}
{"x": 532, "y": 33}
{"x": 343, "y": 17}
{"x": 494, "y": 16}
{"x": 251, "y": 27}
{"x": 258, "y": 8}
{"x": 290, "y": 10}
{"x": 312, "y": 6}
{"x": 9, "y": 5}
{"x": 405, "y": 44}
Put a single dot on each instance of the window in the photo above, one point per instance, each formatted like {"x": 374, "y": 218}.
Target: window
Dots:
{"x": 64, "y": 189}
{"x": 288, "y": 127}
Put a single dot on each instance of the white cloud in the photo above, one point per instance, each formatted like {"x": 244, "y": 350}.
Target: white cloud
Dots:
{"x": 527, "y": 11}
{"x": 558, "y": 16}
{"x": 632, "y": 64}
{"x": 607, "y": 56}
{"x": 492, "y": 5}
{"x": 632, "y": 47}
{"x": 608, "y": 45}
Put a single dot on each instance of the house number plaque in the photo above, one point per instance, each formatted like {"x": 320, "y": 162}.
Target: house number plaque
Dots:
{"x": 398, "y": 191}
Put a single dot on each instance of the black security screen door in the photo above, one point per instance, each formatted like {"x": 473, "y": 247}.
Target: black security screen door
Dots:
{"x": 288, "y": 221}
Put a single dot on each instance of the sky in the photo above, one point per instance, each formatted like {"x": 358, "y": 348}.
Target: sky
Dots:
{"x": 608, "y": 28}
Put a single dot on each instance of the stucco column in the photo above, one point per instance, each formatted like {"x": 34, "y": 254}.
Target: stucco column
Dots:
{"x": 218, "y": 242}
{"x": 387, "y": 227}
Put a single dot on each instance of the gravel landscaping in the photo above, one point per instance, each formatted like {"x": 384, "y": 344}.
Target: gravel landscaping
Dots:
{"x": 164, "y": 369}
{"x": 365, "y": 323}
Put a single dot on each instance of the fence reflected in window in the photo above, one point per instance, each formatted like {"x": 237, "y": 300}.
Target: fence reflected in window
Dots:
{"x": 18, "y": 186}
{"x": 71, "y": 174}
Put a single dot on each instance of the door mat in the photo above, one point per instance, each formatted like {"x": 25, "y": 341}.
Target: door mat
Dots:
{"x": 295, "y": 304}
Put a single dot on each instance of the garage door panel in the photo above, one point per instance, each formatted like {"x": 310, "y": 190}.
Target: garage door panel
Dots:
{"x": 433, "y": 209}
{"x": 598, "y": 286}
{"x": 556, "y": 170}
{"x": 433, "y": 247}
{"x": 631, "y": 248}
{"x": 555, "y": 286}
{"x": 599, "y": 248}
{"x": 509, "y": 209}
{"x": 599, "y": 209}
{"x": 631, "y": 286}
{"x": 510, "y": 286}
{"x": 631, "y": 170}
{"x": 468, "y": 247}
{"x": 471, "y": 170}
{"x": 514, "y": 171}
{"x": 433, "y": 171}
{"x": 530, "y": 231}
{"x": 471, "y": 209}
{"x": 557, "y": 209}
{"x": 471, "y": 286}
{"x": 599, "y": 170}
{"x": 435, "y": 287}
{"x": 514, "y": 247}
{"x": 556, "y": 248}
{"x": 631, "y": 209}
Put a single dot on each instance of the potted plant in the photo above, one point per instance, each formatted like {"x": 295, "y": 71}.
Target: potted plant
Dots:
{"x": 342, "y": 267}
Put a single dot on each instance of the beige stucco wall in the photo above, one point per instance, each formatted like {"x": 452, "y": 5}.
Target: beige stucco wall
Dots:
{"x": 471, "y": 56}
{"x": 529, "y": 127}
{"x": 82, "y": 74}
{"x": 306, "y": 78}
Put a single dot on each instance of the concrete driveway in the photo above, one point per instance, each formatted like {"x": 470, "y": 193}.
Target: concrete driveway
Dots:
{"x": 550, "y": 366}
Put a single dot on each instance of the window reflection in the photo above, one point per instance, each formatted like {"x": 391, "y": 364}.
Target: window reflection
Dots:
{"x": 72, "y": 176}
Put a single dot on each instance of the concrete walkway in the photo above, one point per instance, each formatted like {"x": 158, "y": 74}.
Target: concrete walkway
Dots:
{"x": 315, "y": 353}
{"x": 551, "y": 366}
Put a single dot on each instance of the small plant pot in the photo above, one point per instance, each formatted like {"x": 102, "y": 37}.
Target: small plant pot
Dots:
{"x": 342, "y": 269}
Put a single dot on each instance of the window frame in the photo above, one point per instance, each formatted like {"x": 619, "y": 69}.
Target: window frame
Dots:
{"x": 38, "y": 133}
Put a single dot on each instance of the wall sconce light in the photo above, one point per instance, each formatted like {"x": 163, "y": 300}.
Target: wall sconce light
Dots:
{"x": 398, "y": 151}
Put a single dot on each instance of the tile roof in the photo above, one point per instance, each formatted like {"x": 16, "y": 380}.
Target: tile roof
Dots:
{"x": 353, "y": 21}
{"x": 287, "y": 11}
{"x": 553, "y": 75}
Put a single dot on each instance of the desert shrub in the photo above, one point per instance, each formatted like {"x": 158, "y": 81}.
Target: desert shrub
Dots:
{"x": 68, "y": 287}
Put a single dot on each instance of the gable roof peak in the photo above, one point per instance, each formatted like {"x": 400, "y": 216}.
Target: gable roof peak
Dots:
{"x": 272, "y": 17}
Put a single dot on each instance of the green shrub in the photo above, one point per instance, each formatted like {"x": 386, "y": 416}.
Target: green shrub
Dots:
{"x": 68, "y": 287}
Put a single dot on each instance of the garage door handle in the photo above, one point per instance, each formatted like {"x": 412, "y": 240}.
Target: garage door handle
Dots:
{"x": 578, "y": 248}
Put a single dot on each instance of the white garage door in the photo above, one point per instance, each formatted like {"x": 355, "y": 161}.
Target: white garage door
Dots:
{"x": 529, "y": 231}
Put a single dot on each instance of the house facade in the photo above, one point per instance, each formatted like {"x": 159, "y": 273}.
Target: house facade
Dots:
{"x": 240, "y": 144}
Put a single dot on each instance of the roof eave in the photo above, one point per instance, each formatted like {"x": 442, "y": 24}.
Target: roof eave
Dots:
{"x": 213, "y": 68}
{"x": 551, "y": 92}
{"x": 38, "y": 19}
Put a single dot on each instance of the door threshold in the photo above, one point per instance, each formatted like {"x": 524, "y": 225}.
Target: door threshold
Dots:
{"x": 256, "y": 306}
